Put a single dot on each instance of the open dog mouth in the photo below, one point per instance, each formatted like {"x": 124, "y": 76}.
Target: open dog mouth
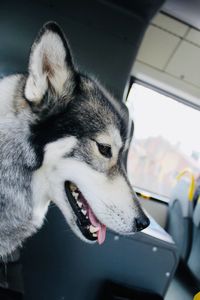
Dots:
{"x": 87, "y": 222}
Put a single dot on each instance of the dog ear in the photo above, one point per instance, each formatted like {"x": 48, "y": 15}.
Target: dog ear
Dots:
{"x": 50, "y": 63}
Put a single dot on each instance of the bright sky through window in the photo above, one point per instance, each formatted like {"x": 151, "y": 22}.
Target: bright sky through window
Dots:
{"x": 155, "y": 114}
{"x": 166, "y": 140}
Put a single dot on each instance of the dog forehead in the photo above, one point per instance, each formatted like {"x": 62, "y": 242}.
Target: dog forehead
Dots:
{"x": 111, "y": 136}
{"x": 103, "y": 106}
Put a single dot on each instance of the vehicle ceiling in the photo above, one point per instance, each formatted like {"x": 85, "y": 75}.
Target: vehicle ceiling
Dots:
{"x": 187, "y": 11}
{"x": 169, "y": 56}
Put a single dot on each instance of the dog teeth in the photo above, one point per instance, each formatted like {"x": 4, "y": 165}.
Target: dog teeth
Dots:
{"x": 80, "y": 204}
{"x": 84, "y": 211}
{"x": 75, "y": 195}
{"x": 93, "y": 229}
{"x": 94, "y": 234}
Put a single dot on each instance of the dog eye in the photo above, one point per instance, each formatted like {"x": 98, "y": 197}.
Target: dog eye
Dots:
{"x": 105, "y": 150}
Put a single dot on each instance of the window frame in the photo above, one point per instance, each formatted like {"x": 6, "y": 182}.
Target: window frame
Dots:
{"x": 146, "y": 194}
{"x": 161, "y": 91}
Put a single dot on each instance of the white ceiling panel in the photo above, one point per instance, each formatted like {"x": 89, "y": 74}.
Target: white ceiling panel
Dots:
{"x": 170, "y": 24}
{"x": 157, "y": 47}
{"x": 193, "y": 36}
{"x": 185, "y": 63}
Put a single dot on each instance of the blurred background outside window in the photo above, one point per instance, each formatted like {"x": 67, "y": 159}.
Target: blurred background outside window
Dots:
{"x": 166, "y": 140}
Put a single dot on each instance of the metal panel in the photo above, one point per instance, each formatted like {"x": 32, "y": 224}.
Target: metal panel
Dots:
{"x": 58, "y": 266}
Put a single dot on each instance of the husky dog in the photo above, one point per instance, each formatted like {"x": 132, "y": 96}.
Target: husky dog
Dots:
{"x": 62, "y": 139}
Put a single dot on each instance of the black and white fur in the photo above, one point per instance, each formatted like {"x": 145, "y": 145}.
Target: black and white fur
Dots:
{"x": 51, "y": 124}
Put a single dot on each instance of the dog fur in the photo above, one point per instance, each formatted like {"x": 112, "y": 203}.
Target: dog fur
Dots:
{"x": 52, "y": 121}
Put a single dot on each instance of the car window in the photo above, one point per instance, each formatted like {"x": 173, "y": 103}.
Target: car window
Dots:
{"x": 166, "y": 140}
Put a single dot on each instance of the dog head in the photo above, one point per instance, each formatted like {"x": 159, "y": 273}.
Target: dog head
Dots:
{"x": 80, "y": 134}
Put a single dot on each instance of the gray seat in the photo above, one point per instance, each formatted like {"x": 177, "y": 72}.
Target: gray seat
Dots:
{"x": 194, "y": 261}
{"x": 179, "y": 223}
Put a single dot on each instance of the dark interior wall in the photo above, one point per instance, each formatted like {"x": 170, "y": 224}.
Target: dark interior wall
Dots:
{"x": 103, "y": 35}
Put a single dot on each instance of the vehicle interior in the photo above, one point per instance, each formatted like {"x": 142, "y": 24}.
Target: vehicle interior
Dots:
{"x": 147, "y": 54}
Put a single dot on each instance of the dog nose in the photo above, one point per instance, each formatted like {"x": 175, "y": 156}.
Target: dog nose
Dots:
{"x": 141, "y": 223}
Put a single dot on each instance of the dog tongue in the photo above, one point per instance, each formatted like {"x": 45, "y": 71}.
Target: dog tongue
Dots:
{"x": 101, "y": 233}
